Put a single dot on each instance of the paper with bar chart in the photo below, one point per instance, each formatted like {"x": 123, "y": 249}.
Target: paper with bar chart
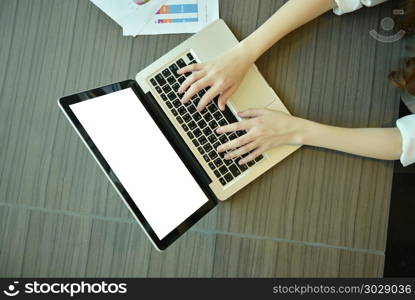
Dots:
{"x": 183, "y": 16}
{"x": 132, "y": 15}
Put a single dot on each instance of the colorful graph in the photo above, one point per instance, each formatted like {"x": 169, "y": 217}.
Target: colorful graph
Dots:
{"x": 184, "y": 12}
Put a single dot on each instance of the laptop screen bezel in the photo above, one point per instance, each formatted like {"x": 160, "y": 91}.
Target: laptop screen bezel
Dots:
{"x": 173, "y": 137}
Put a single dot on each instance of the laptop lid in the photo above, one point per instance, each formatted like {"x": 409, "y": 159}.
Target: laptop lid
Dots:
{"x": 144, "y": 157}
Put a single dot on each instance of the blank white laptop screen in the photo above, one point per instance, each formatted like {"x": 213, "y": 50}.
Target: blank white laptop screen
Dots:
{"x": 141, "y": 157}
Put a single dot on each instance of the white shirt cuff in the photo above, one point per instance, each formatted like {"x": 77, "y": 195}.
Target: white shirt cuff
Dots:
{"x": 346, "y": 6}
{"x": 406, "y": 126}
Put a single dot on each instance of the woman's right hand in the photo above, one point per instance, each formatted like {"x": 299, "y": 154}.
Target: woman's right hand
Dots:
{"x": 222, "y": 75}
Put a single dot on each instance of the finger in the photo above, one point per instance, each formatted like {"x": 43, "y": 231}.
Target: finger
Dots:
{"x": 223, "y": 98}
{"x": 236, "y": 143}
{"x": 210, "y": 94}
{"x": 237, "y": 126}
{"x": 195, "y": 88}
{"x": 190, "y": 80}
{"x": 241, "y": 151}
{"x": 190, "y": 68}
{"x": 252, "y": 113}
{"x": 252, "y": 156}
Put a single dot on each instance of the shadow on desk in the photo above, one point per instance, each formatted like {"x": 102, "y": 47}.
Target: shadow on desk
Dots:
{"x": 400, "y": 246}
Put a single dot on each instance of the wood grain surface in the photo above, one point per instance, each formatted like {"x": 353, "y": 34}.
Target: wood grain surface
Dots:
{"x": 318, "y": 213}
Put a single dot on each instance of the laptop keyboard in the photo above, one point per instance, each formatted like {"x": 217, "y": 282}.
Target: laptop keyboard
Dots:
{"x": 201, "y": 127}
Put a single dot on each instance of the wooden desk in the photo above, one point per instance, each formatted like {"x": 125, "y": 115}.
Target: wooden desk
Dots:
{"x": 318, "y": 213}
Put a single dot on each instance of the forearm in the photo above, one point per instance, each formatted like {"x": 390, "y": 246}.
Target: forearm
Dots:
{"x": 379, "y": 143}
{"x": 289, "y": 17}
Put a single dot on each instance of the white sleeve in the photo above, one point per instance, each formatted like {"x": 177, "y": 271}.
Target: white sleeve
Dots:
{"x": 406, "y": 126}
{"x": 346, "y": 6}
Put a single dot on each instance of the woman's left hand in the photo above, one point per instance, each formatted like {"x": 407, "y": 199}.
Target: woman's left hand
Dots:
{"x": 266, "y": 129}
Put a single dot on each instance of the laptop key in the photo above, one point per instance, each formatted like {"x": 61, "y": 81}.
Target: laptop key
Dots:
{"x": 251, "y": 163}
{"x": 166, "y": 89}
{"x": 187, "y": 118}
{"x": 160, "y": 80}
{"x": 201, "y": 151}
{"x": 243, "y": 168}
{"x": 259, "y": 158}
{"x": 171, "y": 80}
{"x": 201, "y": 93}
{"x": 190, "y": 56}
{"x": 213, "y": 124}
{"x": 213, "y": 155}
{"x": 174, "y": 112}
{"x": 179, "y": 119}
{"x": 190, "y": 135}
{"x": 228, "y": 162}
{"x": 223, "y": 170}
{"x": 208, "y": 117}
{"x": 158, "y": 89}
{"x": 207, "y": 147}
{"x": 166, "y": 73}
{"x": 173, "y": 68}
{"x": 202, "y": 140}
{"x": 216, "y": 145}
{"x": 177, "y": 103}
{"x": 223, "y": 122}
{"x": 229, "y": 116}
{"x": 191, "y": 108}
{"x": 196, "y": 116}
{"x": 181, "y": 63}
{"x": 196, "y": 143}
{"x": 228, "y": 177}
{"x": 207, "y": 131}
{"x": 196, "y": 101}
{"x": 181, "y": 79}
{"x": 197, "y": 132}
{"x": 217, "y": 115}
{"x": 192, "y": 125}
{"x": 212, "y": 139}
{"x": 218, "y": 162}
{"x": 212, "y": 108}
{"x": 169, "y": 105}
{"x": 185, "y": 128}
{"x": 222, "y": 181}
{"x": 182, "y": 110}
{"x": 164, "y": 97}
{"x": 153, "y": 82}
{"x": 206, "y": 158}
{"x": 233, "y": 136}
{"x": 223, "y": 139}
{"x": 212, "y": 166}
{"x": 202, "y": 124}
{"x": 217, "y": 173}
{"x": 176, "y": 87}
{"x": 235, "y": 170}
{"x": 171, "y": 96}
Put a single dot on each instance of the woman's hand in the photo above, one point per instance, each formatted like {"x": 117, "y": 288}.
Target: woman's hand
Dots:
{"x": 223, "y": 75}
{"x": 266, "y": 129}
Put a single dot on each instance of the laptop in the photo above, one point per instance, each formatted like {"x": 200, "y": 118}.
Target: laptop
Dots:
{"x": 160, "y": 154}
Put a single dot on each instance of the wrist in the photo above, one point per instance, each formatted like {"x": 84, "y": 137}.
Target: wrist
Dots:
{"x": 308, "y": 132}
{"x": 245, "y": 50}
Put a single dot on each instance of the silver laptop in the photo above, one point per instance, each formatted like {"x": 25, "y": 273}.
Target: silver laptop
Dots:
{"x": 159, "y": 154}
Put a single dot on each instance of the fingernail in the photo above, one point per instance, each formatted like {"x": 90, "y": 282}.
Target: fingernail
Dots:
{"x": 219, "y": 130}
